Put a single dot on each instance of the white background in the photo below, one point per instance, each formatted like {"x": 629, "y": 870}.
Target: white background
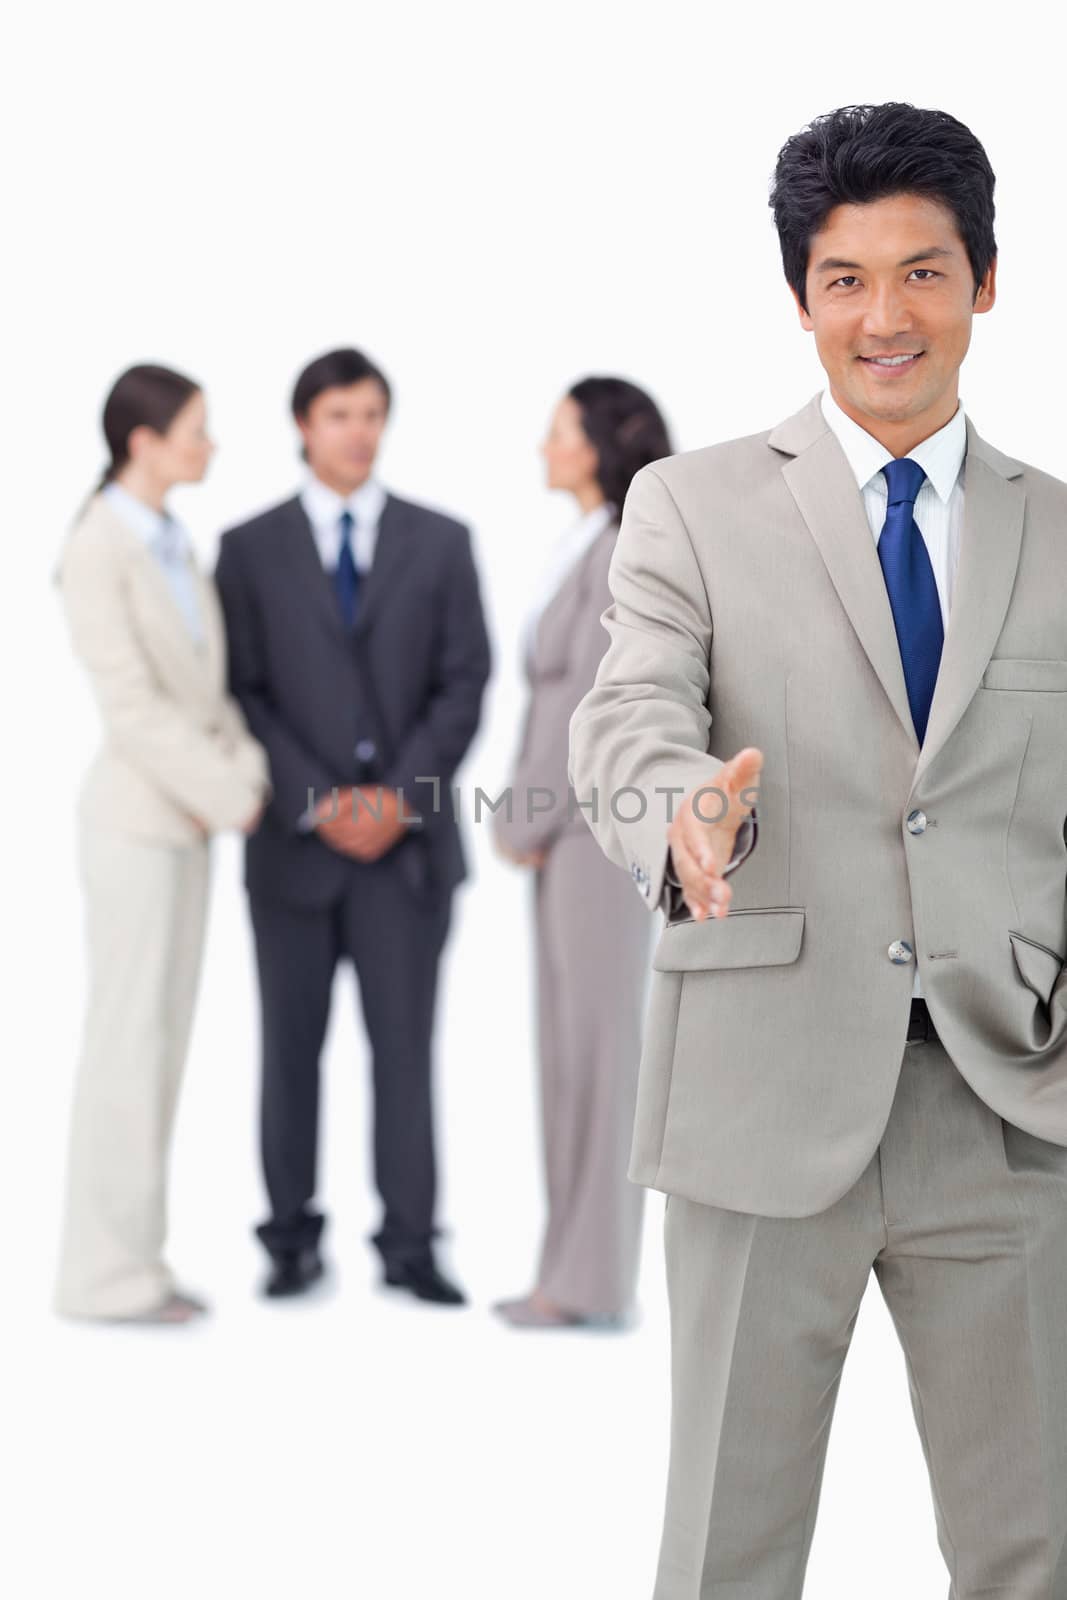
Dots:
{"x": 493, "y": 201}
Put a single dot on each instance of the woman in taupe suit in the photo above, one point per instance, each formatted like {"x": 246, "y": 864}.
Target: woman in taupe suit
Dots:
{"x": 177, "y": 764}
{"x": 592, "y": 933}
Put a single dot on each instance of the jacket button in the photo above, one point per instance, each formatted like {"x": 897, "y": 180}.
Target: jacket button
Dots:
{"x": 916, "y": 821}
{"x": 365, "y": 749}
{"x": 901, "y": 952}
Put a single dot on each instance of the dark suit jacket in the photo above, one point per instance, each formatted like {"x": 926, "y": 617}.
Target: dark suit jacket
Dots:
{"x": 407, "y": 681}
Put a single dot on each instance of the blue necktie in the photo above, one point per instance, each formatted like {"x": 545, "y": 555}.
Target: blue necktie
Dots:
{"x": 909, "y": 578}
{"x": 346, "y": 576}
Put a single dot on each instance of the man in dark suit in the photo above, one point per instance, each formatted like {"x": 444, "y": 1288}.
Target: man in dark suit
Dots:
{"x": 359, "y": 654}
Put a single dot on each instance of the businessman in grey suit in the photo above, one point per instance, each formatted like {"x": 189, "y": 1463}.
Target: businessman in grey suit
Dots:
{"x": 359, "y": 654}
{"x": 855, "y": 1050}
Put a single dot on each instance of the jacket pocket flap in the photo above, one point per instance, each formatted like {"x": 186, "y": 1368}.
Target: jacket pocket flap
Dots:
{"x": 1039, "y": 967}
{"x": 1002, "y": 673}
{"x": 756, "y": 938}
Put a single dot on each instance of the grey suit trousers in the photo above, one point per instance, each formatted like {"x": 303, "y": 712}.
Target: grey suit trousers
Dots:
{"x": 593, "y": 951}
{"x": 963, "y": 1217}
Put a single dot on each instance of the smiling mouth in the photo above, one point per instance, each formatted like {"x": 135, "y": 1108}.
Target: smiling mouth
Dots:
{"x": 896, "y": 363}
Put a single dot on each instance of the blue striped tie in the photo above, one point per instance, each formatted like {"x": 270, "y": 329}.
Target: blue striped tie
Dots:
{"x": 346, "y": 577}
{"x": 909, "y": 578}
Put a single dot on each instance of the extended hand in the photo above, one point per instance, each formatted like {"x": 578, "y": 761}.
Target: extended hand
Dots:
{"x": 701, "y": 848}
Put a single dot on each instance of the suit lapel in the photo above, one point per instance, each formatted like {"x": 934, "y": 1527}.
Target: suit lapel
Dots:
{"x": 201, "y": 658}
{"x": 824, "y": 488}
{"x": 554, "y": 639}
{"x": 990, "y": 541}
{"x": 305, "y": 569}
{"x": 391, "y": 557}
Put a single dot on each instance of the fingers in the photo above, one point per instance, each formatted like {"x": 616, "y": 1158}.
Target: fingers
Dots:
{"x": 702, "y": 844}
{"x": 739, "y": 774}
{"x": 706, "y": 892}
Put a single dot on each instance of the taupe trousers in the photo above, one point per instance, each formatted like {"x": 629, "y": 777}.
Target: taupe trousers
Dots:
{"x": 593, "y": 944}
{"x": 592, "y": 940}
{"x": 963, "y": 1218}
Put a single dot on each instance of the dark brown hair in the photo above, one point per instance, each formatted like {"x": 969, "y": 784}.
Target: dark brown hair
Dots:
{"x": 337, "y": 369}
{"x": 143, "y": 397}
{"x": 625, "y": 428}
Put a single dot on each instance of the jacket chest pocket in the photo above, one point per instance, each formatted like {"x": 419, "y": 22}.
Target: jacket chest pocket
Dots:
{"x": 1040, "y": 676}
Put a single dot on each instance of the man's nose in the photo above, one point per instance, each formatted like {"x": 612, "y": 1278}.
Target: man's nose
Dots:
{"x": 886, "y": 313}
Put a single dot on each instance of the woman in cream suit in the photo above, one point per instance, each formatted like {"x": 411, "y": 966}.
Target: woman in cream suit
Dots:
{"x": 592, "y": 934}
{"x": 176, "y": 765}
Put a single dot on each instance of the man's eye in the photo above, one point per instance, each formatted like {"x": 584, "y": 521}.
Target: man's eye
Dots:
{"x": 848, "y": 278}
{"x": 928, "y": 271}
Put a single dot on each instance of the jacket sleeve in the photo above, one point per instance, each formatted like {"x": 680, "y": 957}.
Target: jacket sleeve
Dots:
{"x": 541, "y": 793}
{"x": 639, "y": 739}
{"x": 248, "y": 754}
{"x": 146, "y": 726}
{"x": 436, "y": 742}
{"x": 293, "y": 769}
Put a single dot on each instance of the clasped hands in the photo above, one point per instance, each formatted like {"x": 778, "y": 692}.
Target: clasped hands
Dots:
{"x": 374, "y": 828}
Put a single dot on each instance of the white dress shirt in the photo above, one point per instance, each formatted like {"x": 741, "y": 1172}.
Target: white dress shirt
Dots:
{"x": 938, "y": 505}
{"x": 324, "y": 507}
{"x": 171, "y": 546}
{"x": 564, "y": 554}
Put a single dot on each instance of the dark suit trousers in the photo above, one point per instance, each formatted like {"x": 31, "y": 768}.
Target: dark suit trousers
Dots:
{"x": 394, "y": 939}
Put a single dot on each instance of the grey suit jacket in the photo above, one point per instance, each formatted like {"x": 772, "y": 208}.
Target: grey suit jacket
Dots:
{"x": 749, "y": 608}
{"x": 395, "y": 700}
{"x": 569, "y": 643}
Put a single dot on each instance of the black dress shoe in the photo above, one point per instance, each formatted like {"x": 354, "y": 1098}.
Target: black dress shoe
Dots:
{"x": 422, "y": 1279}
{"x": 293, "y": 1272}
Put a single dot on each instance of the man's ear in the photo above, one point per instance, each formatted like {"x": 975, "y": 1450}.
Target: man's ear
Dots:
{"x": 805, "y": 321}
{"x": 986, "y": 297}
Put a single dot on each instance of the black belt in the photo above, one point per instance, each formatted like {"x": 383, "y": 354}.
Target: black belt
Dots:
{"x": 920, "y": 1023}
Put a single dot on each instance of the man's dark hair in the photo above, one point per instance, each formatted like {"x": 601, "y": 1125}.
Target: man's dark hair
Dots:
{"x": 861, "y": 153}
{"x": 337, "y": 369}
{"x": 624, "y": 426}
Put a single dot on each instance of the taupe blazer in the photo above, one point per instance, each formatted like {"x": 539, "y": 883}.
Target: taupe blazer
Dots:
{"x": 175, "y": 745}
{"x": 749, "y": 608}
{"x": 568, "y": 644}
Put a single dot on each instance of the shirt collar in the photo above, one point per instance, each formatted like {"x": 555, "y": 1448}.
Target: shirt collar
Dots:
{"x": 940, "y": 456}
{"x": 324, "y": 505}
{"x": 591, "y": 523}
{"x": 157, "y": 528}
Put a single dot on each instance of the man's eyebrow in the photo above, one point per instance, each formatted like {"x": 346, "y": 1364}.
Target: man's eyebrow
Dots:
{"x": 838, "y": 264}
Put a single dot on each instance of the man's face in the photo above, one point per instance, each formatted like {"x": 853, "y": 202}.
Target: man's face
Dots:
{"x": 892, "y": 278}
{"x": 342, "y": 430}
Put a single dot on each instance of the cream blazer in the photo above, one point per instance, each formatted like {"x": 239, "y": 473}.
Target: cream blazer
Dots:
{"x": 176, "y": 747}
